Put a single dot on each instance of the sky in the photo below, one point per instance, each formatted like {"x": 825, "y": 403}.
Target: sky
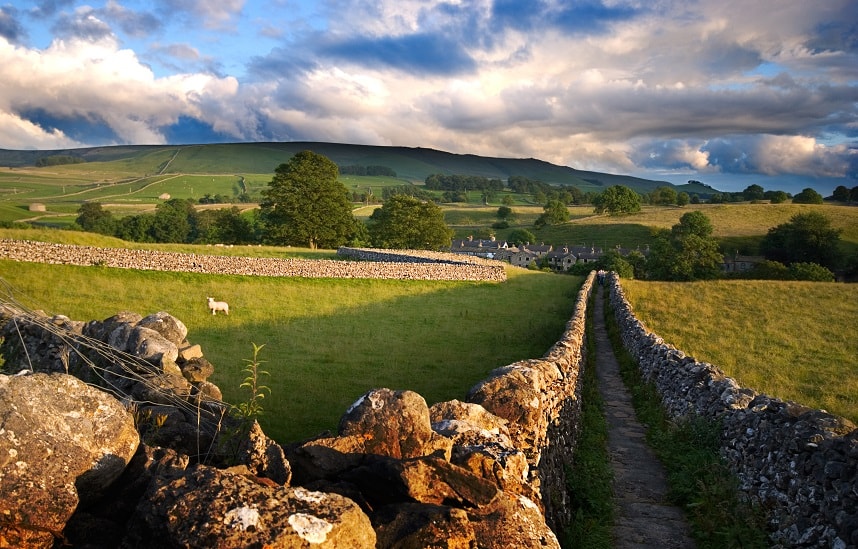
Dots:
{"x": 729, "y": 93}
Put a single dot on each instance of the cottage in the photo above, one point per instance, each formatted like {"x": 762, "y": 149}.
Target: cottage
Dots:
{"x": 740, "y": 263}
{"x": 478, "y": 247}
{"x": 561, "y": 259}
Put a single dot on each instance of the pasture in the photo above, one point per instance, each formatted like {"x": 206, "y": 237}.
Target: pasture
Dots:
{"x": 791, "y": 340}
{"x": 327, "y": 341}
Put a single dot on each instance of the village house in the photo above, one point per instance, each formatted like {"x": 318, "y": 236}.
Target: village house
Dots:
{"x": 740, "y": 263}
{"x": 488, "y": 248}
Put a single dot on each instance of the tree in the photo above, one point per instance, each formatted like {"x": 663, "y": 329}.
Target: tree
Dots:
{"x": 306, "y": 205}
{"x": 811, "y": 272}
{"x": 806, "y": 238}
{"x": 776, "y": 197}
{"x": 521, "y": 236}
{"x": 505, "y": 212}
{"x": 686, "y": 252}
{"x": 404, "y": 222}
{"x": 175, "y": 221}
{"x": 92, "y": 217}
{"x": 617, "y": 199}
{"x": 663, "y": 196}
{"x": 554, "y": 212}
{"x": 682, "y": 199}
{"x": 841, "y": 194}
{"x": 753, "y": 192}
{"x": 807, "y": 196}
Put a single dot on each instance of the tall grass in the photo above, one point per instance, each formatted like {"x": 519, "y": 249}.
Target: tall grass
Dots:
{"x": 326, "y": 341}
{"x": 792, "y": 340}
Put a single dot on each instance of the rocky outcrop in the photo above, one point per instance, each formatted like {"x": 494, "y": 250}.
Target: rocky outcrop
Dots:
{"x": 60, "y": 441}
{"x": 800, "y": 464}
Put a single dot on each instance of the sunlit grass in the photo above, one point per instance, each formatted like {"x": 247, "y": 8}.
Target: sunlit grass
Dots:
{"x": 326, "y": 341}
{"x": 792, "y": 340}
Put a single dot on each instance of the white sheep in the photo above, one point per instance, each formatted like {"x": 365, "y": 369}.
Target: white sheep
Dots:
{"x": 216, "y": 306}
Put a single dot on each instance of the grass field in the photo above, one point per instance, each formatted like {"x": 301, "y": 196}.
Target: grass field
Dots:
{"x": 326, "y": 341}
{"x": 791, "y": 340}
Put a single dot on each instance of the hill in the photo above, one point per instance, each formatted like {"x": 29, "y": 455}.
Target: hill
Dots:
{"x": 412, "y": 164}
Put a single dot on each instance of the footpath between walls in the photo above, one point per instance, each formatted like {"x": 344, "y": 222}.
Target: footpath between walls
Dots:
{"x": 799, "y": 463}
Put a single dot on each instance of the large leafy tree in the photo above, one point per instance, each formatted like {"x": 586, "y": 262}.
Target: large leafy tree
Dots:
{"x": 618, "y": 199}
{"x": 553, "y": 213}
{"x": 807, "y": 196}
{"x": 686, "y": 252}
{"x": 404, "y": 222}
{"x": 94, "y": 218}
{"x": 306, "y": 205}
{"x": 806, "y": 238}
{"x": 175, "y": 221}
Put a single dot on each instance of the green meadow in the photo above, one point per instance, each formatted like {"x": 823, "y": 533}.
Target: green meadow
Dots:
{"x": 791, "y": 340}
{"x": 327, "y": 341}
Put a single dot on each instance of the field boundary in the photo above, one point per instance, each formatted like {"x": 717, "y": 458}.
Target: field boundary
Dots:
{"x": 364, "y": 263}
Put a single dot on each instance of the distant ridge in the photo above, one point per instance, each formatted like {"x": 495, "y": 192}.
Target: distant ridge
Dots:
{"x": 410, "y": 163}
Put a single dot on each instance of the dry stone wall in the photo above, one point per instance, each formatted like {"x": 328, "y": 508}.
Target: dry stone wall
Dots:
{"x": 366, "y": 264}
{"x": 797, "y": 462}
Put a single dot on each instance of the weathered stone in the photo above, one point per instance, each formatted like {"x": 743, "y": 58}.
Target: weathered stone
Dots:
{"x": 151, "y": 346}
{"x": 511, "y": 521}
{"x": 161, "y": 389}
{"x": 211, "y": 508}
{"x": 60, "y": 441}
{"x": 416, "y": 526}
{"x": 393, "y": 423}
{"x": 173, "y": 329}
{"x": 189, "y": 352}
{"x": 470, "y": 413}
{"x": 197, "y": 369}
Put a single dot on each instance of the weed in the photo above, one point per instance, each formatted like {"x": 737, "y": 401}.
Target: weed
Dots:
{"x": 250, "y": 409}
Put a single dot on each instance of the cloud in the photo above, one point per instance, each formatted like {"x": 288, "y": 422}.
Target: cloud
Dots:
{"x": 10, "y": 27}
{"x": 417, "y": 53}
{"x": 214, "y": 14}
{"x": 47, "y": 8}
{"x": 133, "y": 23}
{"x": 78, "y": 83}
{"x": 776, "y": 155}
{"x": 83, "y": 24}
{"x": 18, "y": 133}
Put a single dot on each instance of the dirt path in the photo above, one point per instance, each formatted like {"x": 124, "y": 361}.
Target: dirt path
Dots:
{"x": 642, "y": 516}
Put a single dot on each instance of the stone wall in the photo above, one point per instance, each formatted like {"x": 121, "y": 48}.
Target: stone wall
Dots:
{"x": 800, "y": 464}
{"x": 404, "y": 266}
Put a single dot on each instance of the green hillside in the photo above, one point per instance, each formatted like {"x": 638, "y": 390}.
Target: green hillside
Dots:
{"x": 412, "y": 164}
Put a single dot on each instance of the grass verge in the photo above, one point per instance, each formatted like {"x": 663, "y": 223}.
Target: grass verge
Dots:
{"x": 699, "y": 480}
{"x": 588, "y": 481}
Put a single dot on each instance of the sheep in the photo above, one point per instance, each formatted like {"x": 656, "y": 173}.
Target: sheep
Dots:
{"x": 216, "y": 306}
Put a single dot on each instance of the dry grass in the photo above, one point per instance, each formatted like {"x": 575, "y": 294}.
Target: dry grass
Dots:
{"x": 792, "y": 340}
